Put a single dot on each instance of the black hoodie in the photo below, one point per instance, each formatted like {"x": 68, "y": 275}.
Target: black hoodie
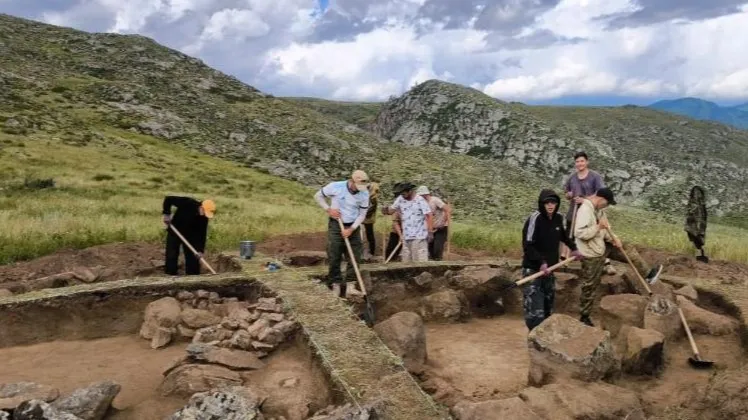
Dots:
{"x": 542, "y": 234}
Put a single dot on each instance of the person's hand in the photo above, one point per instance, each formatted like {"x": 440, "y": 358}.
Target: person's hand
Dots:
{"x": 167, "y": 219}
{"x": 544, "y": 269}
{"x": 199, "y": 255}
{"x": 347, "y": 232}
{"x": 578, "y": 200}
{"x": 569, "y": 194}
{"x": 334, "y": 213}
{"x": 617, "y": 243}
{"x": 577, "y": 255}
{"x": 603, "y": 224}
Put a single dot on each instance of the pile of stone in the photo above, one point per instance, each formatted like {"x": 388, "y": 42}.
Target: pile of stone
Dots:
{"x": 206, "y": 317}
{"x": 32, "y": 401}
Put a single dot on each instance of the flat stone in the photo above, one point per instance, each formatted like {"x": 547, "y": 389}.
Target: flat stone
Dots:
{"x": 199, "y": 318}
{"x": 91, "y": 402}
{"x": 619, "y": 310}
{"x": 576, "y": 400}
{"x": 405, "y": 334}
{"x": 162, "y": 337}
{"x": 689, "y": 292}
{"x": 13, "y": 394}
{"x": 231, "y": 358}
{"x": 185, "y": 380}
{"x": 507, "y": 409}
{"x": 164, "y": 312}
{"x": 645, "y": 352}
{"x": 661, "y": 315}
{"x": 702, "y": 321}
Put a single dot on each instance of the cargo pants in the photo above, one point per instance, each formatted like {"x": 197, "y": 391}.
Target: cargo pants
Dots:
{"x": 336, "y": 251}
{"x": 592, "y": 271}
{"x": 538, "y": 298}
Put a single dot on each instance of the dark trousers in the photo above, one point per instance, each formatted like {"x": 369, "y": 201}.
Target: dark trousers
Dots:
{"x": 436, "y": 247}
{"x": 173, "y": 244}
{"x": 371, "y": 238}
{"x": 392, "y": 242}
{"x": 336, "y": 251}
{"x": 539, "y": 298}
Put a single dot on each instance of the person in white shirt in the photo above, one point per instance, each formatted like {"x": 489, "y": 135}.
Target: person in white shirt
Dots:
{"x": 350, "y": 203}
{"x": 417, "y": 223}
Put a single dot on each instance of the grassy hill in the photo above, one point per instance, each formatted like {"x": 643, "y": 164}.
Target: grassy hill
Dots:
{"x": 117, "y": 122}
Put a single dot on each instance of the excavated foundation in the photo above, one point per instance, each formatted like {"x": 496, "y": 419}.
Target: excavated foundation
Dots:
{"x": 160, "y": 341}
{"x": 476, "y": 354}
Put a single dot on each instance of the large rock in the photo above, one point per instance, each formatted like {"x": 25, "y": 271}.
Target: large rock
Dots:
{"x": 589, "y": 401}
{"x": 445, "y": 305}
{"x": 645, "y": 351}
{"x": 13, "y": 394}
{"x": 233, "y": 403}
{"x": 199, "y": 318}
{"x": 619, "y": 310}
{"x": 39, "y": 410}
{"x": 568, "y": 293}
{"x": 702, "y": 321}
{"x": 91, "y": 402}
{"x": 511, "y": 408}
{"x": 562, "y": 347}
{"x": 186, "y": 380}
{"x": 480, "y": 282}
{"x": 162, "y": 313}
{"x": 614, "y": 285}
{"x": 661, "y": 315}
{"x": 405, "y": 334}
{"x": 232, "y": 359}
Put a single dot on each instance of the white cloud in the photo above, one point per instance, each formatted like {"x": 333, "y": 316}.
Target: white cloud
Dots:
{"x": 370, "y": 49}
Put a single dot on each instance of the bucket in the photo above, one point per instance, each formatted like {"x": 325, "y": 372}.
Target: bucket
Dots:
{"x": 247, "y": 249}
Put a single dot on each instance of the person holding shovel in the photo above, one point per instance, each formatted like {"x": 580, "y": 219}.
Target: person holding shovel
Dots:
{"x": 350, "y": 203}
{"x": 595, "y": 241}
{"x": 191, "y": 220}
{"x": 442, "y": 217}
{"x": 417, "y": 228}
{"x": 542, "y": 234}
{"x": 396, "y": 233}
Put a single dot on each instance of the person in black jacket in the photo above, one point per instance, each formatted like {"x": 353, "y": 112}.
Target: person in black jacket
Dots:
{"x": 191, "y": 220}
{"x": 541, "y": 235}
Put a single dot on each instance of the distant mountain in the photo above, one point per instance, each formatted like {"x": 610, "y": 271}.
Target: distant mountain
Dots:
{"x": 736, "y": 116}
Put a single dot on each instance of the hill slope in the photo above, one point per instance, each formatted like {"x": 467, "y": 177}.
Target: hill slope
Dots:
{"x": 700, "y": 109}
{"x": 651, "y": 158}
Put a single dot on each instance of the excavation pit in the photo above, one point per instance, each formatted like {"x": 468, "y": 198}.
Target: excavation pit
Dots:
{"x": 68, "y": 339}
{"x": 478, "y": 359}
{"x": 97, "y": 264}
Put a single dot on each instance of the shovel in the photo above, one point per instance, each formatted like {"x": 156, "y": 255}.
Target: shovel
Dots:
{"x": 369, "y": 311}
{"x": 202, "y": 260}
{"x": 703, "y": 258}
{"x": 633, "y": 267}
{"x": 394, "y": 251}
{"x": 532, "y": 277}
{"x": 696, "y": 360}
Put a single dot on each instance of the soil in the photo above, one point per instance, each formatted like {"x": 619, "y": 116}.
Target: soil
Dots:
{"x": 687, "y": 266}
{"x": 107, "y": 262}
{"x": 129, "y": 361}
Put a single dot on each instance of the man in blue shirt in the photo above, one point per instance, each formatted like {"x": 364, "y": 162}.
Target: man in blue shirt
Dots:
{"x": 350, "y": 203}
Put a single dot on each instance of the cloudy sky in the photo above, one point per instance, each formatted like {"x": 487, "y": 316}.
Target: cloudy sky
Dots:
{"x": 535, "y": 51}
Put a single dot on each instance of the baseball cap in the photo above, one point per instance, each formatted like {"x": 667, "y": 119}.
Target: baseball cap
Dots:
{"x": 360, "y": 179}
{"x": 422, "y": 190}
{"x": 607, "y": 194}
{"x": 209, "y": 207}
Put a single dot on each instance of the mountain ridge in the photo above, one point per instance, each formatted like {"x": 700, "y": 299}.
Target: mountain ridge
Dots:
{"x": 696, "y": 108}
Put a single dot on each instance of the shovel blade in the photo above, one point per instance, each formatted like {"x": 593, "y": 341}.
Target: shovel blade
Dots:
{"x": 700, "y": 364}
{"x": 702, "y": 258}
{"x": 368, "y": 315}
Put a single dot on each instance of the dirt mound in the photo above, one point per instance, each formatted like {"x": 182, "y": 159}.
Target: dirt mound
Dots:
{"x": 108, "y": 262}
{"x": 686, "y": 266}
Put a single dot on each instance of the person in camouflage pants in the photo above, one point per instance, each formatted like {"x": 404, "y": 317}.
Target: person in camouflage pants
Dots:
{"x": 541, "y": 235}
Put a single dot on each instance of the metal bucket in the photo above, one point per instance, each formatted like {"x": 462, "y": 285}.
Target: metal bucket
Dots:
{"x": 247, "y": 249}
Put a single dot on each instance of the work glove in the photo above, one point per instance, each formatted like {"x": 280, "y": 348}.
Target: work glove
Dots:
{"x": 544, "y": 269}
{"x": 577, "y": 255}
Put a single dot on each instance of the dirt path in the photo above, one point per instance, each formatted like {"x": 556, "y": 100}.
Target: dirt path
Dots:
{"x": 127, "y": 360}
{"x": 483, "y": 358}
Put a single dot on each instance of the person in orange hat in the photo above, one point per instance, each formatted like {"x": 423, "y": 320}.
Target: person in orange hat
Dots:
{"x": 191, "y": 220}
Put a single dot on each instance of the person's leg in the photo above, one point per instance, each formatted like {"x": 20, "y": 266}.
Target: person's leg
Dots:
{"x": 191, "y": 262}
{"x": 420, "y": 250}
{"x": 549, "y": 294}
{"x": 335, "y": 247}
{"x": 392, "y": 242}
{"x": 440, "y": 239}
{"x": 533, "y": 301}
{"x": 171, "y": 262}
{"x": 406, "y": 251}
{"x": 430, "y": 247}
{"x": 592, "y": 269}
{"x": 358, "y": 249}
{"x": 371, "y": 238}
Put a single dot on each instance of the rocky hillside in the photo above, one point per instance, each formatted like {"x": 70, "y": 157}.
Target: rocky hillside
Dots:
{"x": 76, "y": 86}
{"x": 651, "y": 158}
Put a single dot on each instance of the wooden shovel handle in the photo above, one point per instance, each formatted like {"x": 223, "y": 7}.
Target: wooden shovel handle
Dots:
{"x": 202, "y": 260}
{"x": 633, "y": 267}
{"x": 399, "y": 244}
{"x": 352, "y": 258}
{"x": 541, "y": 274}
{"x": 688, "y": 332}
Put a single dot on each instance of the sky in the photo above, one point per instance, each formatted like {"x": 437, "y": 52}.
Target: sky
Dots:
{"x": 590, "y": 52}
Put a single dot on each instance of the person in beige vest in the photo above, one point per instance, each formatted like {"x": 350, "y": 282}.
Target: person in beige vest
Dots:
{"x": 595, "y": 243}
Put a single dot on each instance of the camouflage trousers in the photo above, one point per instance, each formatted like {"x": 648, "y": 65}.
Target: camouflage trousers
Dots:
{"x": 592, "y": 271}
{"x": 539, "y": 296}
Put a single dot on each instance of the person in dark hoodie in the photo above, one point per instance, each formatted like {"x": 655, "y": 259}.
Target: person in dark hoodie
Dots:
{"x": 541, "y": 236}
{"x": 191, "y": 220}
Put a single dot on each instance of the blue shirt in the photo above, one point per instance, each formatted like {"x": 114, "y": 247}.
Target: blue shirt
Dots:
{"x": 350, "y": 205}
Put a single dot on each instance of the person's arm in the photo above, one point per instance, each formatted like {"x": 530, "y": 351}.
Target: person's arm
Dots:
{"x": 447, "y": 214}
{"x": 172, "y": 201}
{"x": 586, "y": 226}
{"x": 321, "y": 197}
{"x": 567, "y": 188}
{"x": 565, "y": 236}
{"x": 363, "y": 210}
{"x": 528, "y": 238}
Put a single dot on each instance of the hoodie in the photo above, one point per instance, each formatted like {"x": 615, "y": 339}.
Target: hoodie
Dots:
{"x": 542, "y": 234}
